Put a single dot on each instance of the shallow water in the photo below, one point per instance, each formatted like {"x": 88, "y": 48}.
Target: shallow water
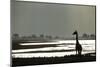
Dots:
{"x": 87, "y": 45}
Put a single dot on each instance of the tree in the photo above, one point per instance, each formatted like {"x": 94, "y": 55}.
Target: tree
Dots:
{"x": 50, "y": 37}
{"x": 92, "y": 35}
{"x": 56, "y": 37}
{"x": 85, "y": 35}
{"x": 34, "y": 36}
{"x": 15, "y": 35}
{"x": 41, "y": 36}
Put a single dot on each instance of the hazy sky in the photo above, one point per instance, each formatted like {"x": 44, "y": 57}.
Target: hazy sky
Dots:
{"x": 52, "y": 19}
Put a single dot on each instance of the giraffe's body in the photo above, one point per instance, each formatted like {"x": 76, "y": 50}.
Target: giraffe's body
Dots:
{"x": 78, "y": 46}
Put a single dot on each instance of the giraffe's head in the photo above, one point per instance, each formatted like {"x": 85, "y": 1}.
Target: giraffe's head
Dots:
{"x": 74, "y": 33}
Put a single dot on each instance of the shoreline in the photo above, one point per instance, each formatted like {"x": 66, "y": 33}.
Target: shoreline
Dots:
{"x": 53, "y": 60}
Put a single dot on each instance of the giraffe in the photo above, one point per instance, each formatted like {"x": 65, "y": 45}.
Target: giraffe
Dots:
{"x": 78, "y": 46}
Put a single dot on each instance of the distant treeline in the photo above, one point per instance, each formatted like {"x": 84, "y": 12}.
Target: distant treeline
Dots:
{"x": 49, "y": 37}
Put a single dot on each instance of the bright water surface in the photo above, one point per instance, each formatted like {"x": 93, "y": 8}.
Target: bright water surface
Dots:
{"x": 87, "y": 45}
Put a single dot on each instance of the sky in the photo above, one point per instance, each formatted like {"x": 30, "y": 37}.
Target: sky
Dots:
{"x": 29, "y": 18}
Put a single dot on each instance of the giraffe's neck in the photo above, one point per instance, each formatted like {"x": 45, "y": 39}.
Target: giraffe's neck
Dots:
{"x": 77, "y": 39}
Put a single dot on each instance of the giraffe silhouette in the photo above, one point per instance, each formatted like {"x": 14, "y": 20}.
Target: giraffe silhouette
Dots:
{"x": 78, "y": 46}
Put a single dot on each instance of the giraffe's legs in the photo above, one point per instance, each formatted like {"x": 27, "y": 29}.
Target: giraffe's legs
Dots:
{"x": 80, "y": 52}
{"x": 76, "y": 52}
